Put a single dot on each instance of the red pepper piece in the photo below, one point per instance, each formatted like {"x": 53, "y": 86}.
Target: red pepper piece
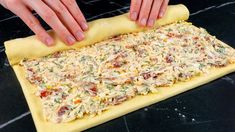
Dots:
{"x": 44, "y": 93}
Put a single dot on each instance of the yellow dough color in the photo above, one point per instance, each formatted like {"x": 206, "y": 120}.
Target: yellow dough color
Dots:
{"x": 101, "y": 29}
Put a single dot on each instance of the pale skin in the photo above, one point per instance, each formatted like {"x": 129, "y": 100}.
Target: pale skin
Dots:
{"x": 67, "y": 20}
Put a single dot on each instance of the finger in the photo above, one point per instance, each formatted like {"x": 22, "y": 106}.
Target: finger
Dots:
{"x": 154, "y": 12}
{"x": 144, "y": 12}
{"x": 35, "y": 26}
{"x": 163, "y": 8}
{"x": 32, "y": 22}
{"x": 76, "y": 13}
{"x": 49, "y": 16}
{"x": 66, "y": 18}
{"x": 135, "y": 9}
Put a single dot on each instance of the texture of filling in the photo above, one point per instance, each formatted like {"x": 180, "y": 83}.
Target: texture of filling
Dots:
{"x": 75, "y": 83}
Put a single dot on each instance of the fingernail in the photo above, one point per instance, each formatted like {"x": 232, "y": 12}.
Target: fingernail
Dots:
{"x": 84, "y": 26}
{"x": 151, "y": 22}
{"x": 49, "y": 41}
{"x": 143, "y": 21}
{"x": 71, "y": 40}
{"x": 133, "y": 16}
{"x": 80, "y": 35}
{"x": 161, "y": 14}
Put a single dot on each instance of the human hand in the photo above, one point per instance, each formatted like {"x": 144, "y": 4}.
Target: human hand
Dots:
{"x": 145, "y": 12}
{"x": 63, "y": 16}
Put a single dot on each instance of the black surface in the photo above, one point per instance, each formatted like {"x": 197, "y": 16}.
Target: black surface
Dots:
{"x": 208, "y": 108}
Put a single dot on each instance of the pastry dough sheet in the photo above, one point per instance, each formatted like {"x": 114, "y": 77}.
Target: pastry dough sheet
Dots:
{"x": 115, "y": 111}
{"x": 101, "y": 29}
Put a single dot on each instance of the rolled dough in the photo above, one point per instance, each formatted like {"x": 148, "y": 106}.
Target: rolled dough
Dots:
{"x": 100, "y": 29}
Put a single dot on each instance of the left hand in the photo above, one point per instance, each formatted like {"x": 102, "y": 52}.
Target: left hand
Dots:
{"x": 145, "y": 12}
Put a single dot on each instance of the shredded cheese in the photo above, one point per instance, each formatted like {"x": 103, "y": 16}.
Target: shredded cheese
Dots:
{"x": 75, "y": 83}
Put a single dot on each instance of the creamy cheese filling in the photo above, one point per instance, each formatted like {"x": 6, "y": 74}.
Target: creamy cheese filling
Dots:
{"x": 87, "y": 81}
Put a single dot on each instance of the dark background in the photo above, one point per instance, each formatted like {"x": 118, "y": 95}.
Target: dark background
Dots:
{"x": 208, "y": 108}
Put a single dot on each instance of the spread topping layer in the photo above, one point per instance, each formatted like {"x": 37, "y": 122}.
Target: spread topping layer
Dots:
{"x": 75, "y": 83}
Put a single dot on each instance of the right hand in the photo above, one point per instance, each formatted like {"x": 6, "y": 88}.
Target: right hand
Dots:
{"x": 145, "y": 12}
{"x": 63, "y": 16}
